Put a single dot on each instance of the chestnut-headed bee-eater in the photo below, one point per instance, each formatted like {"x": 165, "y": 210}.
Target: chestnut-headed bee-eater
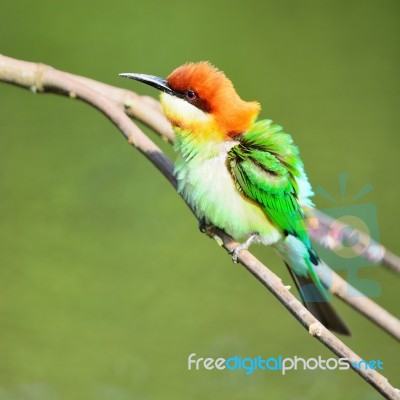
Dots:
{"x": 242, "y": 175}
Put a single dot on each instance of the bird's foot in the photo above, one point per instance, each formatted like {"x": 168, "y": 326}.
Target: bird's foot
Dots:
{"x": 206, "y": 227}
{"x": 203, "y": 225}
{"x": 243, "y": 246}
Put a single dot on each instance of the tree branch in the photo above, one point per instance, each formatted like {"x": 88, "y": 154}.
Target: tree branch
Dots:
{"x": 113, "y": 103}
{"x": 368, "y": 248}
{"x": 358, "y": 301}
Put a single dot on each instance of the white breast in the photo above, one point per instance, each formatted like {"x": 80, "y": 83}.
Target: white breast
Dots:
{"x": 208, "y": 186}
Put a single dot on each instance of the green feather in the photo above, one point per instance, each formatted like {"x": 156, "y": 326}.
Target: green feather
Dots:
{"x": 264, "y": 166}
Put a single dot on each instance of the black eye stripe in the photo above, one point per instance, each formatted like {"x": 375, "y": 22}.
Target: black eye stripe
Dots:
{"x": 193, "y": 98}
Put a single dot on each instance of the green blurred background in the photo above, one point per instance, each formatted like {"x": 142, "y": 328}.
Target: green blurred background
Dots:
{"x": 106, "y": 286}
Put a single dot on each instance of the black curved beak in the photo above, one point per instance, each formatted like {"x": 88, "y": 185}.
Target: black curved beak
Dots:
{"x": 154, "y": 81}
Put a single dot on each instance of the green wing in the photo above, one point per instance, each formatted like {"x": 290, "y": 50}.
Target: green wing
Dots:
{"x": 264, "y": 166}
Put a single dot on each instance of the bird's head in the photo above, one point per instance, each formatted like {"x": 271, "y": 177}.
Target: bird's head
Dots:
{"x": 201, "y": 100}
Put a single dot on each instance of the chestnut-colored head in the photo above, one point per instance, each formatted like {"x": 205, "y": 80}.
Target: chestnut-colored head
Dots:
{"x": 205, "y": 87}
{"x": 201, "y": 100}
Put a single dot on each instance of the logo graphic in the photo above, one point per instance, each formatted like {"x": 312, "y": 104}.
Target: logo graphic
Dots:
{"x": 277, "y": 363}
{"x": 348, "y": 236}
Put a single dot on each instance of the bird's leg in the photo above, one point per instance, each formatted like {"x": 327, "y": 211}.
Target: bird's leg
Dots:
{"x": 243, "y": 246}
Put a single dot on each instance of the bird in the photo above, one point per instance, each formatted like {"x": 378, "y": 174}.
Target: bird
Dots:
{"x": 242, "y": 174}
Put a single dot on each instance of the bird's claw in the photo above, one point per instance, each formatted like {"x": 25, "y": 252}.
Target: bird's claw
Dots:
{"x": 202, "y": 225}
{"x": 236, "y": 251}
{"x": 207, "y": 228}
{"x": 244, "y": 246}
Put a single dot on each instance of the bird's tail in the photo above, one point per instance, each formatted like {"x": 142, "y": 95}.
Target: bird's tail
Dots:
{"x": 300, "y": 261}
{"x": 316, "y": 301}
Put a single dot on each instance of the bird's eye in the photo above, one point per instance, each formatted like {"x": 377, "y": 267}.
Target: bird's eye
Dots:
{"x": 191, "y": 95}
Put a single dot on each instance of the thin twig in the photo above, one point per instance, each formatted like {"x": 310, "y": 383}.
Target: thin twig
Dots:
{"x": 331, "y": 231}
{"x": 358, "y": 301}
{"x": 42, "y": 78}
